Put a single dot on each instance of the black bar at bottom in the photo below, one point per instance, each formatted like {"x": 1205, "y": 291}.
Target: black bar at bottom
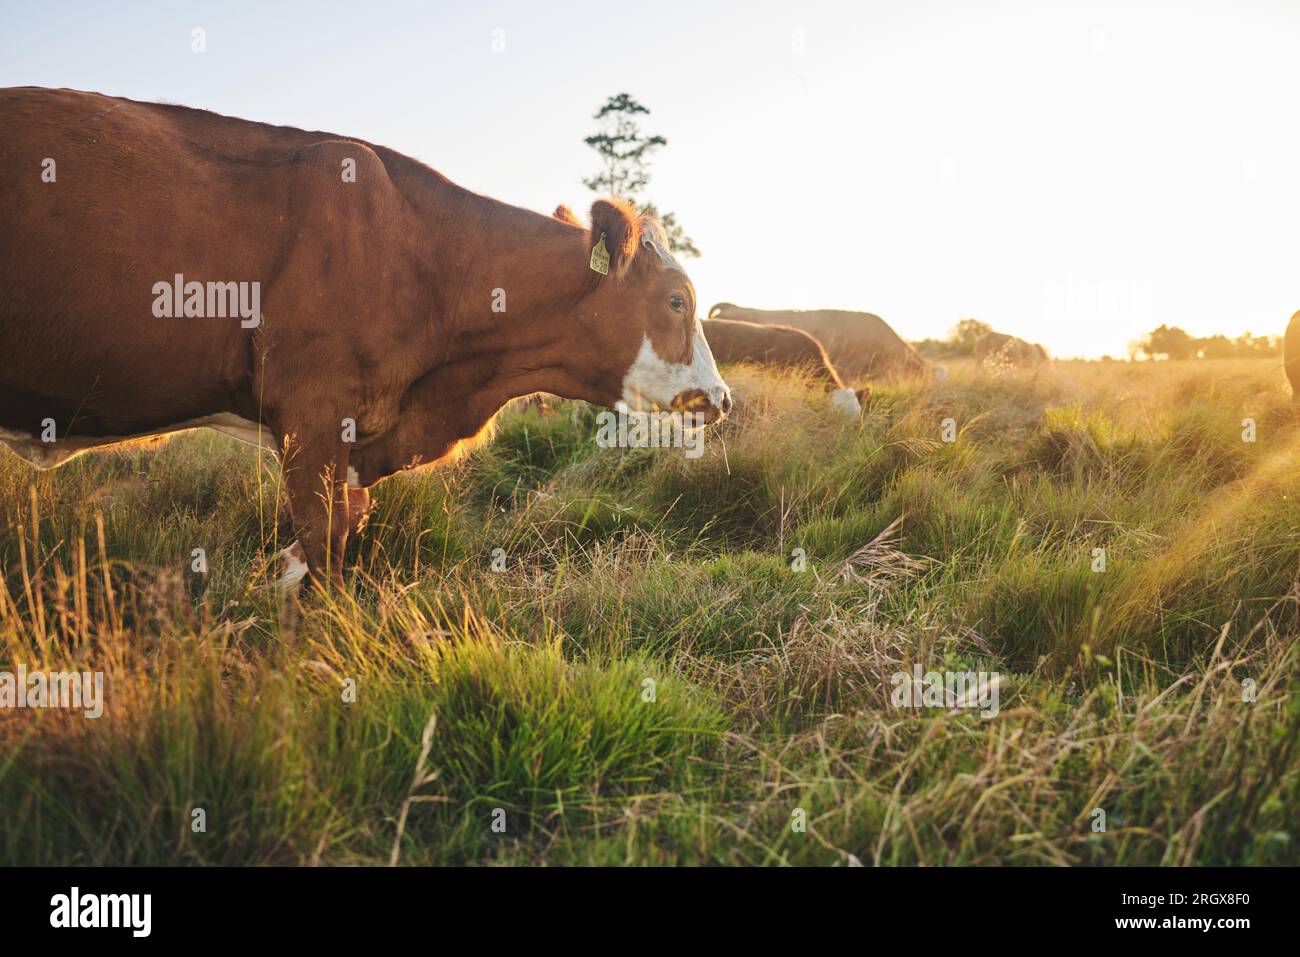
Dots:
{"x": 333, "y": 905}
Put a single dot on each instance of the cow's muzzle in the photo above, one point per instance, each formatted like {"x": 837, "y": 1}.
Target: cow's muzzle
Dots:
{"x": 697, "y": 402}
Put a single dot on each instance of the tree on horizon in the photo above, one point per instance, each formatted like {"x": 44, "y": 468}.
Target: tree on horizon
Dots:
{"x": 1176, "y": 343}
{"x": 625, "y": 153}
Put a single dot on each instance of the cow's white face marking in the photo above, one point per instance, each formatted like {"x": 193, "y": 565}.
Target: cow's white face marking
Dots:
{"x": 846, "y": 400}
{"x": 652, "y": 380}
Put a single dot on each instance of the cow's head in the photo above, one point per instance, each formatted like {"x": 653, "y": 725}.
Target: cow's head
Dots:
{"x": 638, "y": 319}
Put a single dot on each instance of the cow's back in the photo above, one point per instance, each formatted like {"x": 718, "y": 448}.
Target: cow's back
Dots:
{"x": 858, "y": 343}
{"x": 990, "y": 343}
{"x": 135, "y": 198}
{"x": 734, "y": 341}
{"x": 1008, "y": 349}
{"x": 142, "y": 193}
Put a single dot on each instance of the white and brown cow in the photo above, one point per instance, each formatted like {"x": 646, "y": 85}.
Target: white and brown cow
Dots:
{"x": 734, "y": 342}
{"x": 998, "y": 350}
{"x": 163, "y": 268}
{"x": 859, "y": 343}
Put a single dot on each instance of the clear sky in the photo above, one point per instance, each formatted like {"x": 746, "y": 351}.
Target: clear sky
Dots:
{"x": 1072, "y": 173}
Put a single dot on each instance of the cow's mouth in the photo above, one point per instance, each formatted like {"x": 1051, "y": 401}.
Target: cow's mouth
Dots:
{"x": 697, "y": 404}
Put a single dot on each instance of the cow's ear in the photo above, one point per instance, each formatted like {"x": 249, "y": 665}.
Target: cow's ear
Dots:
{"x": 614, "y": 235}
{"x": 565, "y": 215}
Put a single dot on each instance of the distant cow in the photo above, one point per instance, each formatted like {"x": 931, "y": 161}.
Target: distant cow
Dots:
{"x": 859, "y": 343}
{"x": 997, "y": 348}
{"x": 1291, "y": 355}
{"x": 735, "y": 342}
{"x": 339, "y": 303}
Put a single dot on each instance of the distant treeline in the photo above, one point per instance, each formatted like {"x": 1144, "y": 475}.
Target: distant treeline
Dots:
{"x": 1173, "y": 343}
{"x": 1164, "y": 342}
{"x": 960, "y": 342}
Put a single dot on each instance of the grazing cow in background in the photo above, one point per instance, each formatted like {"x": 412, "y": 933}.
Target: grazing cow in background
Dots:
{"x": 859, "y": 343}
{"x": 1000, "y": 349}
{"x": 339, "y": 303}
{"x": 736, "y": 342}
{"x": 1291, "y": 355}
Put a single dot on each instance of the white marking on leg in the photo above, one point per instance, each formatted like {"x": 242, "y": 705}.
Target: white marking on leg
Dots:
{"x": 846, "y": 400}
{"x": 293, "y": 562}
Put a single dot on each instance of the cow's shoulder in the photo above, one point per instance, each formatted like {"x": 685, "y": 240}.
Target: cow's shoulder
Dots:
{"x": 338, "y": 156}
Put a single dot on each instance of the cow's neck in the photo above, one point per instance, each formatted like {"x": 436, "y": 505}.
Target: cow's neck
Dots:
{"x": 511, "y": 304}
{"x": 503, "y": 327}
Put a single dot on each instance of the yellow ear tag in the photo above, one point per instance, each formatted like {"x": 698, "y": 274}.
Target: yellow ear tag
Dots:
{"x": 600, "y": 257}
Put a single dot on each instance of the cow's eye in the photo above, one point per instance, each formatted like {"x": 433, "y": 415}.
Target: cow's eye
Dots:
{"x": 677, "y": 302}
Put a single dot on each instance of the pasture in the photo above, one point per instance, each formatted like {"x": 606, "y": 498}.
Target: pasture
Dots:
{"x": 689, "y": 661}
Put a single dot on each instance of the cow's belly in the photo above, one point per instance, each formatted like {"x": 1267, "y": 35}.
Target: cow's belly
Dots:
{"x": 48, "y": 455}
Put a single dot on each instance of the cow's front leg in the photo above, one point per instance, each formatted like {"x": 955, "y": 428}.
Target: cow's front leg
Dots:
{"x": 293, "y": 560}
{"x": 315, "y": 478}
{"x": 359, "y": 506}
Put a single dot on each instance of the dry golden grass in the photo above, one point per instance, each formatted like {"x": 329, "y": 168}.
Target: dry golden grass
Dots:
{"x": 679, "y": 655}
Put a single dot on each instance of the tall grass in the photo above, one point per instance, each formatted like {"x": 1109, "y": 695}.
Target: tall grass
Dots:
{"x": 688, "y": 660}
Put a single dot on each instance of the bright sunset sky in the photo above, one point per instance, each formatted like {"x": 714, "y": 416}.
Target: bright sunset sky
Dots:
{"x": 1072, "y": 173}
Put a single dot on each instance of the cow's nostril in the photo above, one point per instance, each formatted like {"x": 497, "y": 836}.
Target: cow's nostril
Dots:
{"x": 726, "y": 403}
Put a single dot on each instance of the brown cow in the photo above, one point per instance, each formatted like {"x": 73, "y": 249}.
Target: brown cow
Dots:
{"x": 1000, "y": 349}
{"x": 335, "y": 301}
{"x": 859, "y": 343}
{"x": 1291, "y": 355}
{"x": 736, "y": 342}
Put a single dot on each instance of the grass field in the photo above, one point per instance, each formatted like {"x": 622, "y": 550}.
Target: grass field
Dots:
{"x": 650, "y": 679}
